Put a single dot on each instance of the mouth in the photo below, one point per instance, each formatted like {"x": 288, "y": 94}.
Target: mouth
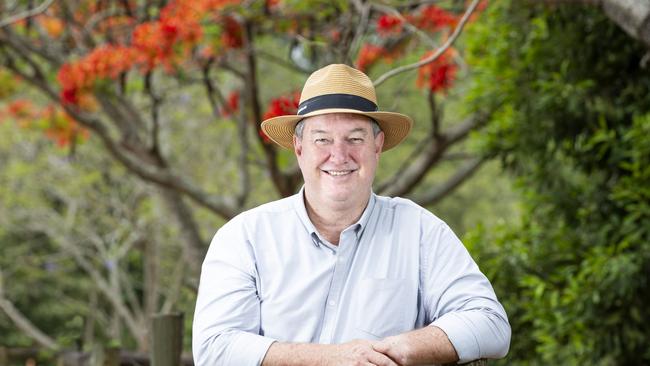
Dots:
{"x": 339, "y": 173}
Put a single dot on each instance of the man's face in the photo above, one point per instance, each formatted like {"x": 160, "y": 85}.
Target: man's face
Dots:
{"x": 338, "y": 156}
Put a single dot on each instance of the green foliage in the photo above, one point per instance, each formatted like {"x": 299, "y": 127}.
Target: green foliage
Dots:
{"x": 574, "y": 272}
{"x": 52, "y": 204}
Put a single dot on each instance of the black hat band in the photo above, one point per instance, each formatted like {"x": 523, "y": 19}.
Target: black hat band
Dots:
{"x": 344, "y": 101}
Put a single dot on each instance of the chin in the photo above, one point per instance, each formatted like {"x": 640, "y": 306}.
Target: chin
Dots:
{"x": 340, "y": 195}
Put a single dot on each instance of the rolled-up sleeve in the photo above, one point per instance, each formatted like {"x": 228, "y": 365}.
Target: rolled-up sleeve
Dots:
{"x": 460, "y": 300}
{"x": 226, "y": 326}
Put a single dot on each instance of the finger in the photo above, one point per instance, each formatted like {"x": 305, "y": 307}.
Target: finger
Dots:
{"x": 382, "y": 347}
{"x": 381, "y": 359}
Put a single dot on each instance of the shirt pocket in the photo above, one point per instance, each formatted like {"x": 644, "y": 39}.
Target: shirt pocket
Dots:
{"x": 380, "y": 311}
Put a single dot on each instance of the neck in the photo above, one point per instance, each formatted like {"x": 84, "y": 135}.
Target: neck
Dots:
{"x": 330, "y": 219}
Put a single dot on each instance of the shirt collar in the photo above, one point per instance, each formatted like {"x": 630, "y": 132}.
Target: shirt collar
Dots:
{"x": 301, "y": 210}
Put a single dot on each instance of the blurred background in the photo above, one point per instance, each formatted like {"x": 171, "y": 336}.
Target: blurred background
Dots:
{"x": 129, "y": 133}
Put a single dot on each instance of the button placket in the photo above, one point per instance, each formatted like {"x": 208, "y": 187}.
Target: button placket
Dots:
{"x": 347, "y": 242}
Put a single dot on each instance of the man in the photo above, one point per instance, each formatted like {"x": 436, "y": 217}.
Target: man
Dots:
{"x": 336, "y": 275}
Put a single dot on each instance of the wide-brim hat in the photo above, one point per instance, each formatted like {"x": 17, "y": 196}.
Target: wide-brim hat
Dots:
{"x": 338, "y": 88}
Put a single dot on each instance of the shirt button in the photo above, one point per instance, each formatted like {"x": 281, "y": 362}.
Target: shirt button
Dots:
{"x": 332, "y": 303}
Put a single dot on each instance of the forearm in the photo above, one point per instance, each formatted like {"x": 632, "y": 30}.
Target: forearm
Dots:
{"x": 232, "y": 347}
{"x": 428, "y": 345}
{"x": 289, "y": 354}
{"x": 357, "y": 352}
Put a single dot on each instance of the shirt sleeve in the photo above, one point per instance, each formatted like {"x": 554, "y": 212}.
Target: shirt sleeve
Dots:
{"x": 460, "y": 300}
{"x": 226, "y": 326}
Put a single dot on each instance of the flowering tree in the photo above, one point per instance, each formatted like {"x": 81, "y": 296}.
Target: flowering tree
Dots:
{"x": 134, "y": 76}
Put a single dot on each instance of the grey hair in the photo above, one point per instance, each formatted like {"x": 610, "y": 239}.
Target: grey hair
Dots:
{"x": 300, "y": 126}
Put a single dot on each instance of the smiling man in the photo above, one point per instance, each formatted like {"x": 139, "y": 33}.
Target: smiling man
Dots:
{"x": 336, "y": 275}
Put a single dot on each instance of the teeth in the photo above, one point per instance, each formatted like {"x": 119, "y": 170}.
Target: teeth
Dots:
{"x": 337, "y": 173}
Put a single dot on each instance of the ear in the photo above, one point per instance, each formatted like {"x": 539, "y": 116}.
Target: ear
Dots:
{"x": 379, "y": 143}
{"x": 297, "y": 145}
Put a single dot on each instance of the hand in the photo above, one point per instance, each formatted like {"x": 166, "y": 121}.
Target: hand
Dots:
{"x": 395, "y": 348}
{"x": 359, "y": 352}
{"x": 424, "y": 346}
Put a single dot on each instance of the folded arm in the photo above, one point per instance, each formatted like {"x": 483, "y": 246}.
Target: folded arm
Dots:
{"x": 357, "y": 352}
{"x": 460, "y": 301}
{"x": 424, "y": 346}
{"x": 226, "y": 326}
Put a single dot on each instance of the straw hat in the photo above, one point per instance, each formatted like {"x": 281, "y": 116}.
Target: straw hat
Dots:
{"x": 338, "y": 88}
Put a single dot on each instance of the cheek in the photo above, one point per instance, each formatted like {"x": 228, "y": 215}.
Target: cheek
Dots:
{"x": 368, "y": 159}
{"x": 311, "y": 159}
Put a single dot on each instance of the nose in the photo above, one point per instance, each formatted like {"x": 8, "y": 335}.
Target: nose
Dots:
{"x": 339, "y": 153}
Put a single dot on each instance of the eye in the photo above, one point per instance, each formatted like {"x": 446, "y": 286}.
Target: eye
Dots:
{"x": 321, "y": 141}
{"x": 356, "y": 140}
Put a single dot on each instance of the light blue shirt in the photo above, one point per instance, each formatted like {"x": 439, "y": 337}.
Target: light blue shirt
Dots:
{"x": 270, "y": 276}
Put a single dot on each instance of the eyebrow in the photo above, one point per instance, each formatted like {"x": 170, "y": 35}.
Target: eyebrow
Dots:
{"x": 358, "y": 129}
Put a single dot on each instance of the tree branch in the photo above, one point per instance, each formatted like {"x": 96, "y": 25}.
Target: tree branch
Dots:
{"x": 134, "y": 325}
{"x": 213, "y": 92}
{"x": 244, "y": 176}
{"x": 411, "y": 173}
{"x": 282, "y": 185}
{"x": 26, "y": 326}
{"x": 26, "y": 14}
{"x": 24, "y": 53}
{"x": 631, "y": 15}
{"x": 364, "y": 14}
{"x": 435, "y": 194}
{"x": 23, "y": 323}
{"x": 155, "y": 109}
{"x": 435, "y": 115}
{"x": 280, "y": 62}
{"x": 174, "y": 290}
{"x": 192, "y": 247}
{"x": 436, "y": 54}
{"x": 405, "y": 23}
{"x": 125, "y": 124}
{"x": 224, "y": 206}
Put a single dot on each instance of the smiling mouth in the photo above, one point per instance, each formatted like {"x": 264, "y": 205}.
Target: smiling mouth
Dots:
{"x": 339, "y": 173}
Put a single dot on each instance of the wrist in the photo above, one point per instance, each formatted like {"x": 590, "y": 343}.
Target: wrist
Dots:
{"x": 398, "y": 348}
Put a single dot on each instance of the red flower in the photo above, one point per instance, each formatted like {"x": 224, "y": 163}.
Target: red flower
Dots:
{"x": 231, "y": 37}
{"x": 169, "y": 29}
{"x": 438, "y": 75}
{"x": 387, "y": 24}
{"x": 282, "y": 106}
{"x": 107, "y": 61}
{"x": 69, "y": 96}
{"x": 335, "y": 35}
{"x": 272, "y": 3}
{"x": 20, "y": 108}
{"x": 165, "y": 42}
{"x": 232, "y": 104}
{"x": 433, "y": 18}
{"x": 368, "y": 55}
{"x": 63, "y": 129}
{"x": 264, "y": 137}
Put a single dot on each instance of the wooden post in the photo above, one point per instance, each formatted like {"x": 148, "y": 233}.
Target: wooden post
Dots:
{"x": 105, "y": 356}
{"x": 4, "y": 357}
{"x": 111, "y": 356}
{"x": 167, "y": 339}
